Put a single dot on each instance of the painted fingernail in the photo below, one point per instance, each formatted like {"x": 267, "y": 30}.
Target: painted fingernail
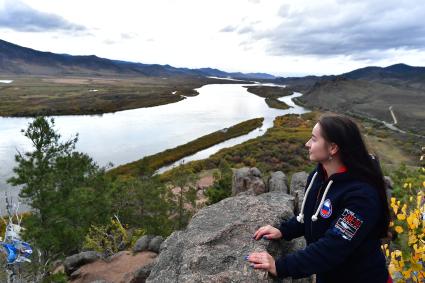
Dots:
{"x": 252, "y": 265}
{"x": 265, "y": 237}
{"x": 246, "y": 257}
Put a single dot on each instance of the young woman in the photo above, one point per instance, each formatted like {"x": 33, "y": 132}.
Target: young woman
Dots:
{"x": 343, "y": 216}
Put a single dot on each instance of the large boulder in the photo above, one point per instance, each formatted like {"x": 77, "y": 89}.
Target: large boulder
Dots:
{"x": 141, "y": 274}
{"x": 297, "y": 189}
{"x": 277, "y": 182}
{"x": 142, "y": 244}
{"x": 148, "y": 243}
{"x": 155, "y": 244}
{"x": 72, "y": 263}
{"x": 247, "y": 181}
{"x": 213, "y": 246}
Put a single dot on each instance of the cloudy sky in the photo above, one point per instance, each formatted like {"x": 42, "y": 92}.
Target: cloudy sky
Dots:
{"x": 287, "y": 38}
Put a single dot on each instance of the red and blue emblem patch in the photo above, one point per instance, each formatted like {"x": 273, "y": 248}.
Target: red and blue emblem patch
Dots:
{"x": 347, "y": 224}
{"x": 326, "y": 209}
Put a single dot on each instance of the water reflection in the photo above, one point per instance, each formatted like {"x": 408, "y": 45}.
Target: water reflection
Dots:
{"x": 129, "y": 135}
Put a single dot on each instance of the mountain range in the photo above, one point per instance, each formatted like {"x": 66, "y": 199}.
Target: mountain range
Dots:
{"x": 398, "y": 75}
{"x": 18, "y": 60}
{"x": 368, "y": 91}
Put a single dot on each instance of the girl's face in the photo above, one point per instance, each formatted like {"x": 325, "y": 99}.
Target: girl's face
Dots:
{"x": 317, "y": 146}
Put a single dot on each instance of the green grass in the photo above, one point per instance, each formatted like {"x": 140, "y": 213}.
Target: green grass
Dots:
{"x": 156, "y": 161}
{"x": 275, "y": 103}
{"x": 280, "y": 148}
{"x": 393, "y": 148}
{"x": 34, "y": 96}
{"x": 270, "y": 91}
{"x": 271, "y": 95}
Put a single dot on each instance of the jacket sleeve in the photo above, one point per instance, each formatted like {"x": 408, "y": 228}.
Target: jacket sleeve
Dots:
{"x": 291, "y": 228}
{"x": 357, "y": 219}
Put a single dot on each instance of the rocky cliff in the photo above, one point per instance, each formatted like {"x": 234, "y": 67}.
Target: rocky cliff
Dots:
{"x": 213, "y": 246}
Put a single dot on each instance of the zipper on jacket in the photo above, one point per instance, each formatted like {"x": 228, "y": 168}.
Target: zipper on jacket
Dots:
{"x": 314, "y": 209}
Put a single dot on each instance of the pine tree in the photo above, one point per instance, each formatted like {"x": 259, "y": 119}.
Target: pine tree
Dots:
{"x": 222, "y": 187}
{"x": 66, "y": 190}
{"x": 184, "y": 179}
{"x": 142, "y": 203}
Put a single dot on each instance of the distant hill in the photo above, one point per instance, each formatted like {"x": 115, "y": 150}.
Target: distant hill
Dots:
{"x": 394, "y": 71}
{"x": 398, "y": 75}
{"x": 218, "y": 73}
{"x": 18, "y": 60}
{"x": 368, "y": 92}
{"x": 369, "y": 99}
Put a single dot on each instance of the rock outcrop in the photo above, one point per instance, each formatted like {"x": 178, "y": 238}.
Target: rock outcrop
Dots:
{"x": 277, "y": 182}
{"x": 248, "y": 181}
{"x": 148, "y": 243}
{"x": 298, "y": 183}
{"x": 213, "y": 246}
{"x": 72, "y": 263}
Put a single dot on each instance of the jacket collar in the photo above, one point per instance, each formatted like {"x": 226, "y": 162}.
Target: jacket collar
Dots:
{"x": 341, "y": 174}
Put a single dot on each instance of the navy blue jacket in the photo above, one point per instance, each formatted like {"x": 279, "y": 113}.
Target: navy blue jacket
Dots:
{"x": 343, "y": 244}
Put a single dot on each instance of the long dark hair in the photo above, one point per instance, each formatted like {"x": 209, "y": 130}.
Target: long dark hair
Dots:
{"x": 344, "y": 132}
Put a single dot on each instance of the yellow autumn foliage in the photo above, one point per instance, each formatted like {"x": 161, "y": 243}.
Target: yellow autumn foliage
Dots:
{"x": 406, "y": 257}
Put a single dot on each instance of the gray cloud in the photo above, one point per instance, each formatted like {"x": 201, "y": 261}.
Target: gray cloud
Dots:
{"x": 128, "y": 35}
{"x": 109, "y": 41}
{"x": 228, "y": 29}
{"x": 360, "y": 29}
{"x": 19, "y": 16}
{"x": 243, "y": 28}
{"x": 246, "y": 29}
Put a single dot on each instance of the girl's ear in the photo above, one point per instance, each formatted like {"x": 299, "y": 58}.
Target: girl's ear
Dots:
{"x": 333, "y": 148}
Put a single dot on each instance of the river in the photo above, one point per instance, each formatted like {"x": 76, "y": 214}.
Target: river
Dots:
{"x": 125, "y": 136}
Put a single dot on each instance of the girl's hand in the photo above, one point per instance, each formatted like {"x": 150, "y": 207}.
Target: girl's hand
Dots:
{"x": 268, "y": 232}
{"x": 262, "y": 260}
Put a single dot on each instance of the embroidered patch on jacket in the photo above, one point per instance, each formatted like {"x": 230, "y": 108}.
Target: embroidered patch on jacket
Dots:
{"x": 347, "y": 224}
{"x": 326, "y": 209}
